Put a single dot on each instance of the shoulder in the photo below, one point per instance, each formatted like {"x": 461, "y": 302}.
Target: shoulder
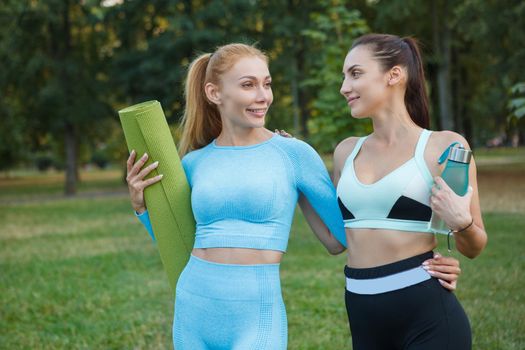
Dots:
{"x": 190, "y": 158}
{"x": 302, "y": 157}
{"x": 192, "y": 155}
{"x": 440, "y": 140}
{"x": 293, "y": 146}
{"x": 344, "y": 148}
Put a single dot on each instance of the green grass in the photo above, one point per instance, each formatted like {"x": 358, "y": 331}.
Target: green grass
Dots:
{"x": 83, "y": 274}
{"x": 30, "y": 185}
{"x": 80, "y": 275}
{"x": 511, "y": 152}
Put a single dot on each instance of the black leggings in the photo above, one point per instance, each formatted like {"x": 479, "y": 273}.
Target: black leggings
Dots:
{"x": 424, "y": 316}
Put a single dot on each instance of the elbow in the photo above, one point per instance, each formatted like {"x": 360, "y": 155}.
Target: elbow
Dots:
{"x": 336, "y": 250}
{"x": 473, "y": 252}
{"x": 471, "y": 255}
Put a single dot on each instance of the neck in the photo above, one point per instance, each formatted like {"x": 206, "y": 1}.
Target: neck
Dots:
{"x": 237, "y": 136}
{"x": 393, "y": 124}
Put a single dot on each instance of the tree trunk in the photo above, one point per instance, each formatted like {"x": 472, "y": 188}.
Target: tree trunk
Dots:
{"x": 295, "y": 95}
{"x": 442, "y": 43}
{"x": 458, "y": 101}
{"x": 304, "y": 112}
{"x": 299, "y": 98}
{"x": 70, "y": 135}
{"x": 71, "y": 159}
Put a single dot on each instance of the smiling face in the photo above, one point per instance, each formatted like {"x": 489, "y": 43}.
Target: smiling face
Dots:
{"x": 244, "y": 93}
{"x": 365, "y": 84}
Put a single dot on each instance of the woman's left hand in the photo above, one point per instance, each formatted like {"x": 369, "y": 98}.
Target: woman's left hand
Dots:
{"x": 445, "y": 269}
{"x": 283, "y": 133}
{"x": 453, "y": 209}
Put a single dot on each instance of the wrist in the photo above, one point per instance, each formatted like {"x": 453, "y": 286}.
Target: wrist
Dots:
{"x": 466, "y": 224}
{"x": 139, "y": 210}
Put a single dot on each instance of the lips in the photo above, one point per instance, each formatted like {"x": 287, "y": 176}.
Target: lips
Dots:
{"x": 349, "y": 100}
{"x": 259, "y": 112}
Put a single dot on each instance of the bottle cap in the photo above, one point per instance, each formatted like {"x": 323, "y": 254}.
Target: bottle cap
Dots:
{"x": 460, "y": 155}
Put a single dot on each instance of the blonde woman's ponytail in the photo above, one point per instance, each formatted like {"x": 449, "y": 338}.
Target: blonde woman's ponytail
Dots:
{"x": 201, "y": 122}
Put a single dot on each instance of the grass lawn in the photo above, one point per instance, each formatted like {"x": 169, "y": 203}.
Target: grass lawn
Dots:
{"x": 83, "y": 274}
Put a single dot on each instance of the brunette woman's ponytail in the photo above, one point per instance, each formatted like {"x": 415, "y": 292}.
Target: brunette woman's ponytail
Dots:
{"x": 391, "y": 50}
{"x": 416, "y": 98}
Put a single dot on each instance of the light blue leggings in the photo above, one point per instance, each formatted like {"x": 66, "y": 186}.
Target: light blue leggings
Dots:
{"x": 234, "y": 307}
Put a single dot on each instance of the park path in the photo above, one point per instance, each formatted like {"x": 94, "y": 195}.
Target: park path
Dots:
{"x": 61, "y": 197}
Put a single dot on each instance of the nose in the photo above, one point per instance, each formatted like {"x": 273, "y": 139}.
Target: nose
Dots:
{"x": 346, "y": 89}
{"x": 264, "y": 94}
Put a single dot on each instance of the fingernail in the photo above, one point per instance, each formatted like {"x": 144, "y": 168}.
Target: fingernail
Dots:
{"x": 145, "y": 155}
{"x": 156, "y": 163}
{"x": 431, "y": 272}
{"x": 161, "y": 176}
{"x": 441, "y": 281}
{"x": 425, "y": 263}
{"x": 426, "y": 267}
{"x": 132, "y": 151}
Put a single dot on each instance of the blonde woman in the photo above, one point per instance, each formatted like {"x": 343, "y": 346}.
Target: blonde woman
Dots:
{"x": 245, "y": 183}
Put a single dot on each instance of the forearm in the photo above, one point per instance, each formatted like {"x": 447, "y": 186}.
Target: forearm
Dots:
{"x": 471, "y": 241}
{"x": 319, "y": 228}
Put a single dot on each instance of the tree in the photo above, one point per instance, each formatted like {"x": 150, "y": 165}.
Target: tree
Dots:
{"x": 329, "y": 39}
{"x": 473, "y": 53}
{"x": 56, "y": 74}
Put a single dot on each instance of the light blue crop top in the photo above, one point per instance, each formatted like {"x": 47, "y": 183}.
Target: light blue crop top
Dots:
{"x": 398, "y": 201}
{"x": 245, "y": 196}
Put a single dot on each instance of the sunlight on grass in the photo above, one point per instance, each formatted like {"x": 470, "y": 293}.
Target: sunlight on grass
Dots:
{"x": 83, "y": 273}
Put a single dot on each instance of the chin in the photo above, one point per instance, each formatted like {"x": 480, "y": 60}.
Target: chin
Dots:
{"x": 358, "y": 115}
{"x": 256, "y": 123}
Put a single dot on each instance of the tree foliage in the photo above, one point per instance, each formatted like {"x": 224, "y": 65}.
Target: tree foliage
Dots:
{"x": 485, "y": 44}
{"x": 68, "y": 66}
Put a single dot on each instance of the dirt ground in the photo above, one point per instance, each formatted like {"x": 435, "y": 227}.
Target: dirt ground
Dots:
{"x": 502, "y": 188}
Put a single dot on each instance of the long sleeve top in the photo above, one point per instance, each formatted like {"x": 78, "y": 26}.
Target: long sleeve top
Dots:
{"x": 245, "y": 196}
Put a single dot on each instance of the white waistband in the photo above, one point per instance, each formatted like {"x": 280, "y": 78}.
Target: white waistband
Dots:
{"x": 389, "y": 224}
{"x": 388, "y": 283}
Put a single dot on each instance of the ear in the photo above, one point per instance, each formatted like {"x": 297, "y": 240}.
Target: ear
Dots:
{"x": 212, "y": 93}
{"x": 396, "y": 75}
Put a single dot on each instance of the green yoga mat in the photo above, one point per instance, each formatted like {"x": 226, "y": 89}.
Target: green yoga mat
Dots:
{"x": 168, "y": 201}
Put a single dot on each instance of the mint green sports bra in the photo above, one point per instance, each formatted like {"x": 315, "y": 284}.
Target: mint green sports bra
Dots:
{"x": 398, "y": 201}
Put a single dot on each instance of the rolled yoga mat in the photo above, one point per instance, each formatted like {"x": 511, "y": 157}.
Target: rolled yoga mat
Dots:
{"x": 168, "y": 201}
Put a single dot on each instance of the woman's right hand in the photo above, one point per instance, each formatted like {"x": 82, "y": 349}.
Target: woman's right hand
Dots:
{"x": 445, "y": 268}
{"x": 135, "y": 179}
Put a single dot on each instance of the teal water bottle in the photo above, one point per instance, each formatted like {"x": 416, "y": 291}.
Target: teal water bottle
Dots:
{"x": 455, "y": 175}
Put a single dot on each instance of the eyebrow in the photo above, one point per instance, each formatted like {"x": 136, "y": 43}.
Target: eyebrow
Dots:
{"x": 352, "y": 67}
{"x": 253, "y": 78}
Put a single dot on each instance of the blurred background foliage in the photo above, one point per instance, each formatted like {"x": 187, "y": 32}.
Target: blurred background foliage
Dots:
{"x": 68, "y": 66}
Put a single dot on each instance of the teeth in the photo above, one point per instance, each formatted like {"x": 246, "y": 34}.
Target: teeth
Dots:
{"x": 257, "y": 110}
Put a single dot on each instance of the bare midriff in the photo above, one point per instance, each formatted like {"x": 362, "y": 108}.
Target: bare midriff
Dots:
{"x": 238, "y": 256}
{"x": 376, "y": 247}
